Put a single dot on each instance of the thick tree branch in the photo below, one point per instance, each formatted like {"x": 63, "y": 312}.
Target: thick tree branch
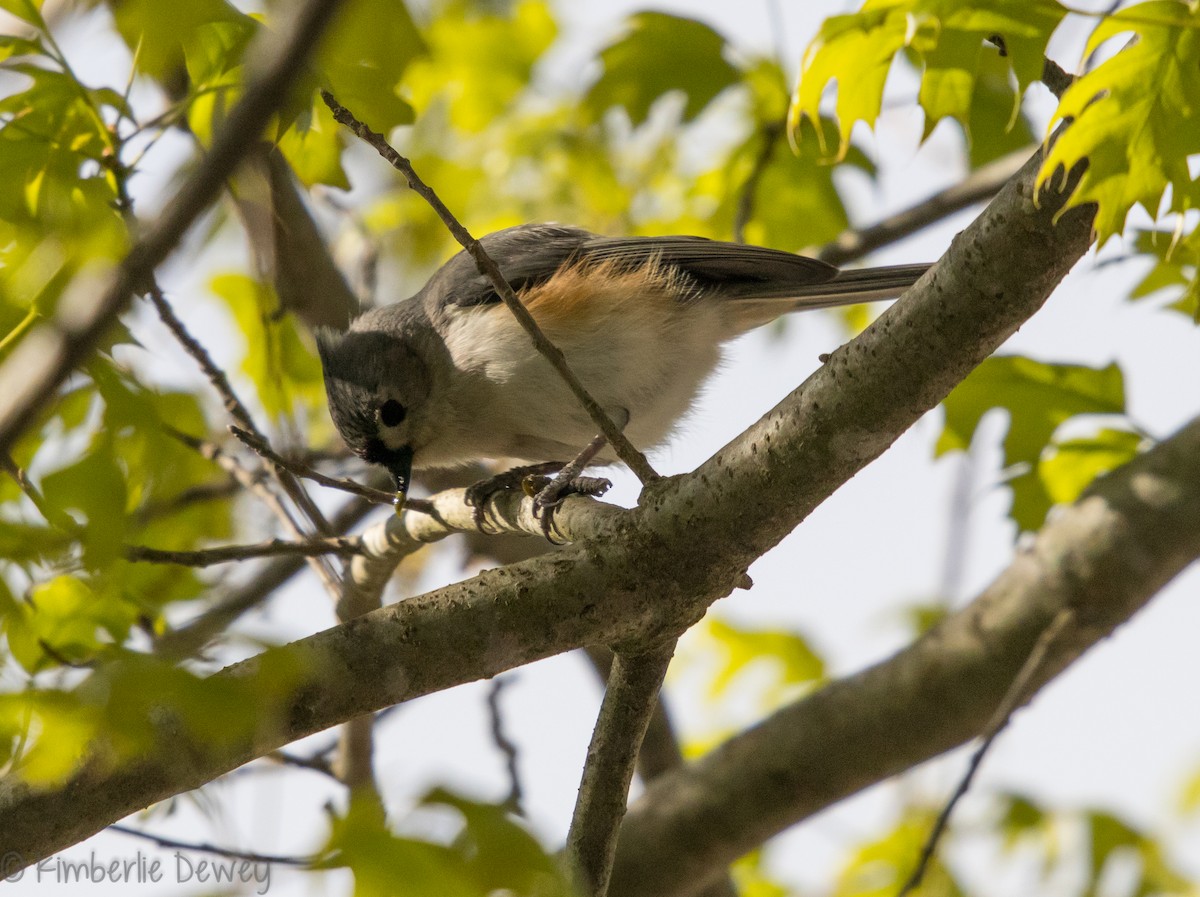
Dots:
{"x": 1101, "y": 560}
{"x": 629, "y": 701}
{"x": 688, "y": 544}
{"x": 43, "y": 360}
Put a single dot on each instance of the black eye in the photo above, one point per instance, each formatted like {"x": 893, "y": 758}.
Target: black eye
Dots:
{"x": 391, "y": 413}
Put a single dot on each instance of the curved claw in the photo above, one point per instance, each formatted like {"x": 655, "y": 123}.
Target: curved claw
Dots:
{"x": 551, "y": 495}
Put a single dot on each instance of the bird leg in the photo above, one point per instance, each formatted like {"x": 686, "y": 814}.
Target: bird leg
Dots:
{"x": 569, "y": 482}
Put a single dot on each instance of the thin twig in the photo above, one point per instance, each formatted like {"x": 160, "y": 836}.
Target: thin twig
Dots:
{"x": 633, "y": 458}
{"x": 506, "y": 747}
{"x": 253, "y": 481}
{"x": 1017, "y": 693}
{"x": 316, "y": 763}
{"x": 191, "y": 637}
{"x": 300, "y": 469}
{"x": 58, "y": 519}
{"x": 193, "y": 495}
{"x": 227, "y": 852}
{"x": 629, "y": 700}
{"x": 207, "y": 557}
{"x": 236, "y": 408}
{"x": 45, "y": 358}
{"x": 980, "y": 185}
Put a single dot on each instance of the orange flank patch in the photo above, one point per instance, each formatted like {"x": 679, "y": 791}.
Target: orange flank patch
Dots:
{"x": 580, "y": 297}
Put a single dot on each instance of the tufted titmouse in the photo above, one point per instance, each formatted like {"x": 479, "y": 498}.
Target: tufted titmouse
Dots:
{"x": 448, "y": 376}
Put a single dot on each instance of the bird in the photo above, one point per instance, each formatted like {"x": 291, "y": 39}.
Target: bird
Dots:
{"x": 448, "y": 376}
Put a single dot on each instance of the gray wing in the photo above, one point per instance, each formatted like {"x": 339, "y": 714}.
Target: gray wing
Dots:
{"x": 531, "y": 254}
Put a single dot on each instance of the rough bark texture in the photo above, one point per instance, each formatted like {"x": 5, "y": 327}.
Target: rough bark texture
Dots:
{"x": 1103, "y": 559}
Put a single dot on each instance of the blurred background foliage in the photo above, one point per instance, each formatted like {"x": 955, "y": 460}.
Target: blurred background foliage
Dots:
{"x": 675, "y": 131}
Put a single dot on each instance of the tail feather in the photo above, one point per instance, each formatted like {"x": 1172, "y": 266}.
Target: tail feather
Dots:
{"x": 849, "y": 287}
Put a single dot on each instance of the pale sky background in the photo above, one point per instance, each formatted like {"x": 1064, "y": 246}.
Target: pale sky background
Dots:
{"x": 1118, "y": 731}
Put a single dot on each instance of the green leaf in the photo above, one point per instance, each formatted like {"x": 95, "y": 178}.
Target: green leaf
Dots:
{"x": 792, "y": 187}
{"x": 277, "y": 361}
{"x": 947, "y": 36}
{"x": 878, "y": 868}
{"x": 66, "y": 620}
{"x": 95, "y": 487}
{"x": 166, "y": 37}
{"x": 658, "y": 54}
{"x": 1177, "y": 269}
{"x": 385, "y": 865}
{"x": 1039, "y": 398}
{"x": 54, "y": 181}
{"x": 48, "y": 733}
{"x": 501, "y": 855}
{"x": 364, "y": 57}
{"x": 26, "y": 10}
{"x": 1136, "y": 116}
{"x": 995, "y": 126}
{"x": 12, "y": 45}
{"x": 480, "y": 60}
{"x": 792, "y": 660}
{"x": 1072, "y": 465}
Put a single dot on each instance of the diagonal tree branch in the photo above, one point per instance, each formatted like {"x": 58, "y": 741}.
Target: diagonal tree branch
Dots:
{"x": 44, "y": 359}
{"x": 688, "y": 544}
{"x": 1100, "y": 560}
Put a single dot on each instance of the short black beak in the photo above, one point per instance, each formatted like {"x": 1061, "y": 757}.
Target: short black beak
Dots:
{"x": 399, "y": 465}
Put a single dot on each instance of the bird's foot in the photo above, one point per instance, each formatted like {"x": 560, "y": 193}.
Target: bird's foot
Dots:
{"x": 478, "y": 494}
{"x": 548, "y": 494}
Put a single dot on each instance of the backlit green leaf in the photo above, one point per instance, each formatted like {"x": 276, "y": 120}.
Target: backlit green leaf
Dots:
{"x": 1072, "y": 465}
{"x": 659, "y": 54}
{"x": 947, "y": 36}
{"x": 1039, "y": 398}
{"x": 1136, "y": 116}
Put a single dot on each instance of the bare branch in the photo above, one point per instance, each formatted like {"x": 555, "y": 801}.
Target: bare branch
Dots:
{"x": 504, "y": 745}
{"x": 629, "y": 700}
{"x": 200, "y": 847}
{"x": 1018, "y": 693}
{"x": 207, "y": 557}
{"x": 633, "y": 458}
{"x": 191, "y": 637}
{"x": 42, "y": 361}
{"x": 1101, "y": 559}
{"x": 377, "y": 496}
{"x": 979, "y": 186}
